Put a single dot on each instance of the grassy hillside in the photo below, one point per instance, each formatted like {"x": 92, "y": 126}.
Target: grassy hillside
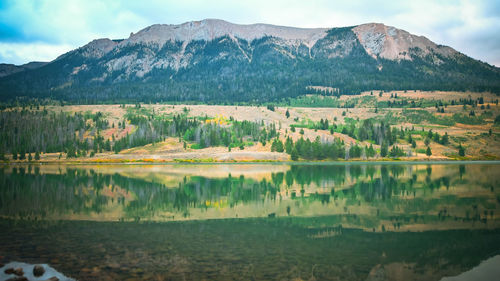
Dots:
{"x": 373, "y": 126}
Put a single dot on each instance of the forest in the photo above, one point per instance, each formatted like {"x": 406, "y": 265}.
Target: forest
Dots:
{"x": 27, "y": 133}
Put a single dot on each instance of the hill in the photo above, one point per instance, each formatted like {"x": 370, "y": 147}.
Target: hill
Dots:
{"x": 217, "y": 61}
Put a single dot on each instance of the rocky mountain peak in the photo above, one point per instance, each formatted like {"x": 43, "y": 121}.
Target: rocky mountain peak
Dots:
{"x": 99, "y": 47}
{"x": 391, "y": 43}
{"x": 209, "y": 29}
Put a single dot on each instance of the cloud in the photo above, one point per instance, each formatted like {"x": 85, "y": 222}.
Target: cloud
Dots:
{"x": 21, "y": 53}
{"x": 471, "y": 27}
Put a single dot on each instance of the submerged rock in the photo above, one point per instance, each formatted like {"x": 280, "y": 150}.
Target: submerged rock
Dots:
{"x": 19, "y": 271}
{"x": 18, "y": 278}
{"x": 38, "y": 270}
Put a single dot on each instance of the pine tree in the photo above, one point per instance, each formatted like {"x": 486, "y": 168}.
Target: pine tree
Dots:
{"x": 444, "y": 139}
{"x": 428, "y": 152}
{"x": 71, "y": 153}
{"x": 383, "y": 149}
{"x": 294, "y": 155}
{"x": 461, "y": 150}
{"x": 287, "y": 114}
{"x": 288, "y": 145}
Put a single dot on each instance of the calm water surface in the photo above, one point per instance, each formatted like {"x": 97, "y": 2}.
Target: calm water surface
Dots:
{"x": 252, "y": 221}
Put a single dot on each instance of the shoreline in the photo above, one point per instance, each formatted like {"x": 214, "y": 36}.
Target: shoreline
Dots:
{"x": 300, "y": 162}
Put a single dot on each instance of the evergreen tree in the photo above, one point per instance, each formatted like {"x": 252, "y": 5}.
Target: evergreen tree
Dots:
{"x": 370, "y": 152}
{"x": 461, "y": 150}
{"x": 383, "y": 149}
{"x": 71, "y": 152}
{"x": 445, "y": 139}
{"x": 279, "y": 145}
{"x": 436, "y": 137}
{"x": 294, "y": 155}
{"x": 428, "y": 152}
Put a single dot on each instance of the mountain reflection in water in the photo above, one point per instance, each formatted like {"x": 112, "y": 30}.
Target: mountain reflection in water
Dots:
{"x": 323, "y": 221}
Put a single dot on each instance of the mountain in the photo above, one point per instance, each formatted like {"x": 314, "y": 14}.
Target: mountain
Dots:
{"x": 214, "y": 60}
{"x": 8, "y": 69}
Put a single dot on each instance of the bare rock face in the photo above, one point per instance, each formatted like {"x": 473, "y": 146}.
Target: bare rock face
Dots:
{"x": 177, "y": 43}
{"x": 210, "y": 29}
{"x": 394, "y": 44}
{"x": 98, "y": 47}
{"x": 165, "y": 46}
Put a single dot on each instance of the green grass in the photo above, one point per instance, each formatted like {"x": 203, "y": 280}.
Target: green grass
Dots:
{"x": 420, "y": 150}
{"x": 469, "y": 120}
{"x": 195, "y": 146}
{"x": 419, "y": 116}
{"x": 316, "y": 101}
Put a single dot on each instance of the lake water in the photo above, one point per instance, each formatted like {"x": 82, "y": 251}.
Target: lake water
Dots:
{"x": 358, "y": 221}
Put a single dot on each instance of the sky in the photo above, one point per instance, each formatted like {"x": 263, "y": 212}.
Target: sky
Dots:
{"x": 41, "y": 30}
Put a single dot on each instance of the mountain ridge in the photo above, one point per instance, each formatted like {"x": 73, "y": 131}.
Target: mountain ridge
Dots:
{"x": 7, "y": 69}
{"x": 210, "y": 29}
{"x": 194, "y": 60}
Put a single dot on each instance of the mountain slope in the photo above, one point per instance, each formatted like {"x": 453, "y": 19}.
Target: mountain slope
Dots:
{"x": 8, "y": 69}
{"x": 214, "y": 60}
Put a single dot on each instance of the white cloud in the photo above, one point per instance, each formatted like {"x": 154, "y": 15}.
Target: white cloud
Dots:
{"x": 462, "y": 24}
{"x": 20, "y": 53}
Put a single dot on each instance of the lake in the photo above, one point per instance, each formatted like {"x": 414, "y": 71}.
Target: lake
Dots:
{"x": 354, "y": 221}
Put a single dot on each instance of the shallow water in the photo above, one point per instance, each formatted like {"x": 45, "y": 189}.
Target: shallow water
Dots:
{"x": 252, "y": 221}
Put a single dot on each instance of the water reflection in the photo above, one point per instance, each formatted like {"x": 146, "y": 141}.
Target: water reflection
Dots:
{"x": 286, "y": 222}
{"x": 375, "y": 197}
